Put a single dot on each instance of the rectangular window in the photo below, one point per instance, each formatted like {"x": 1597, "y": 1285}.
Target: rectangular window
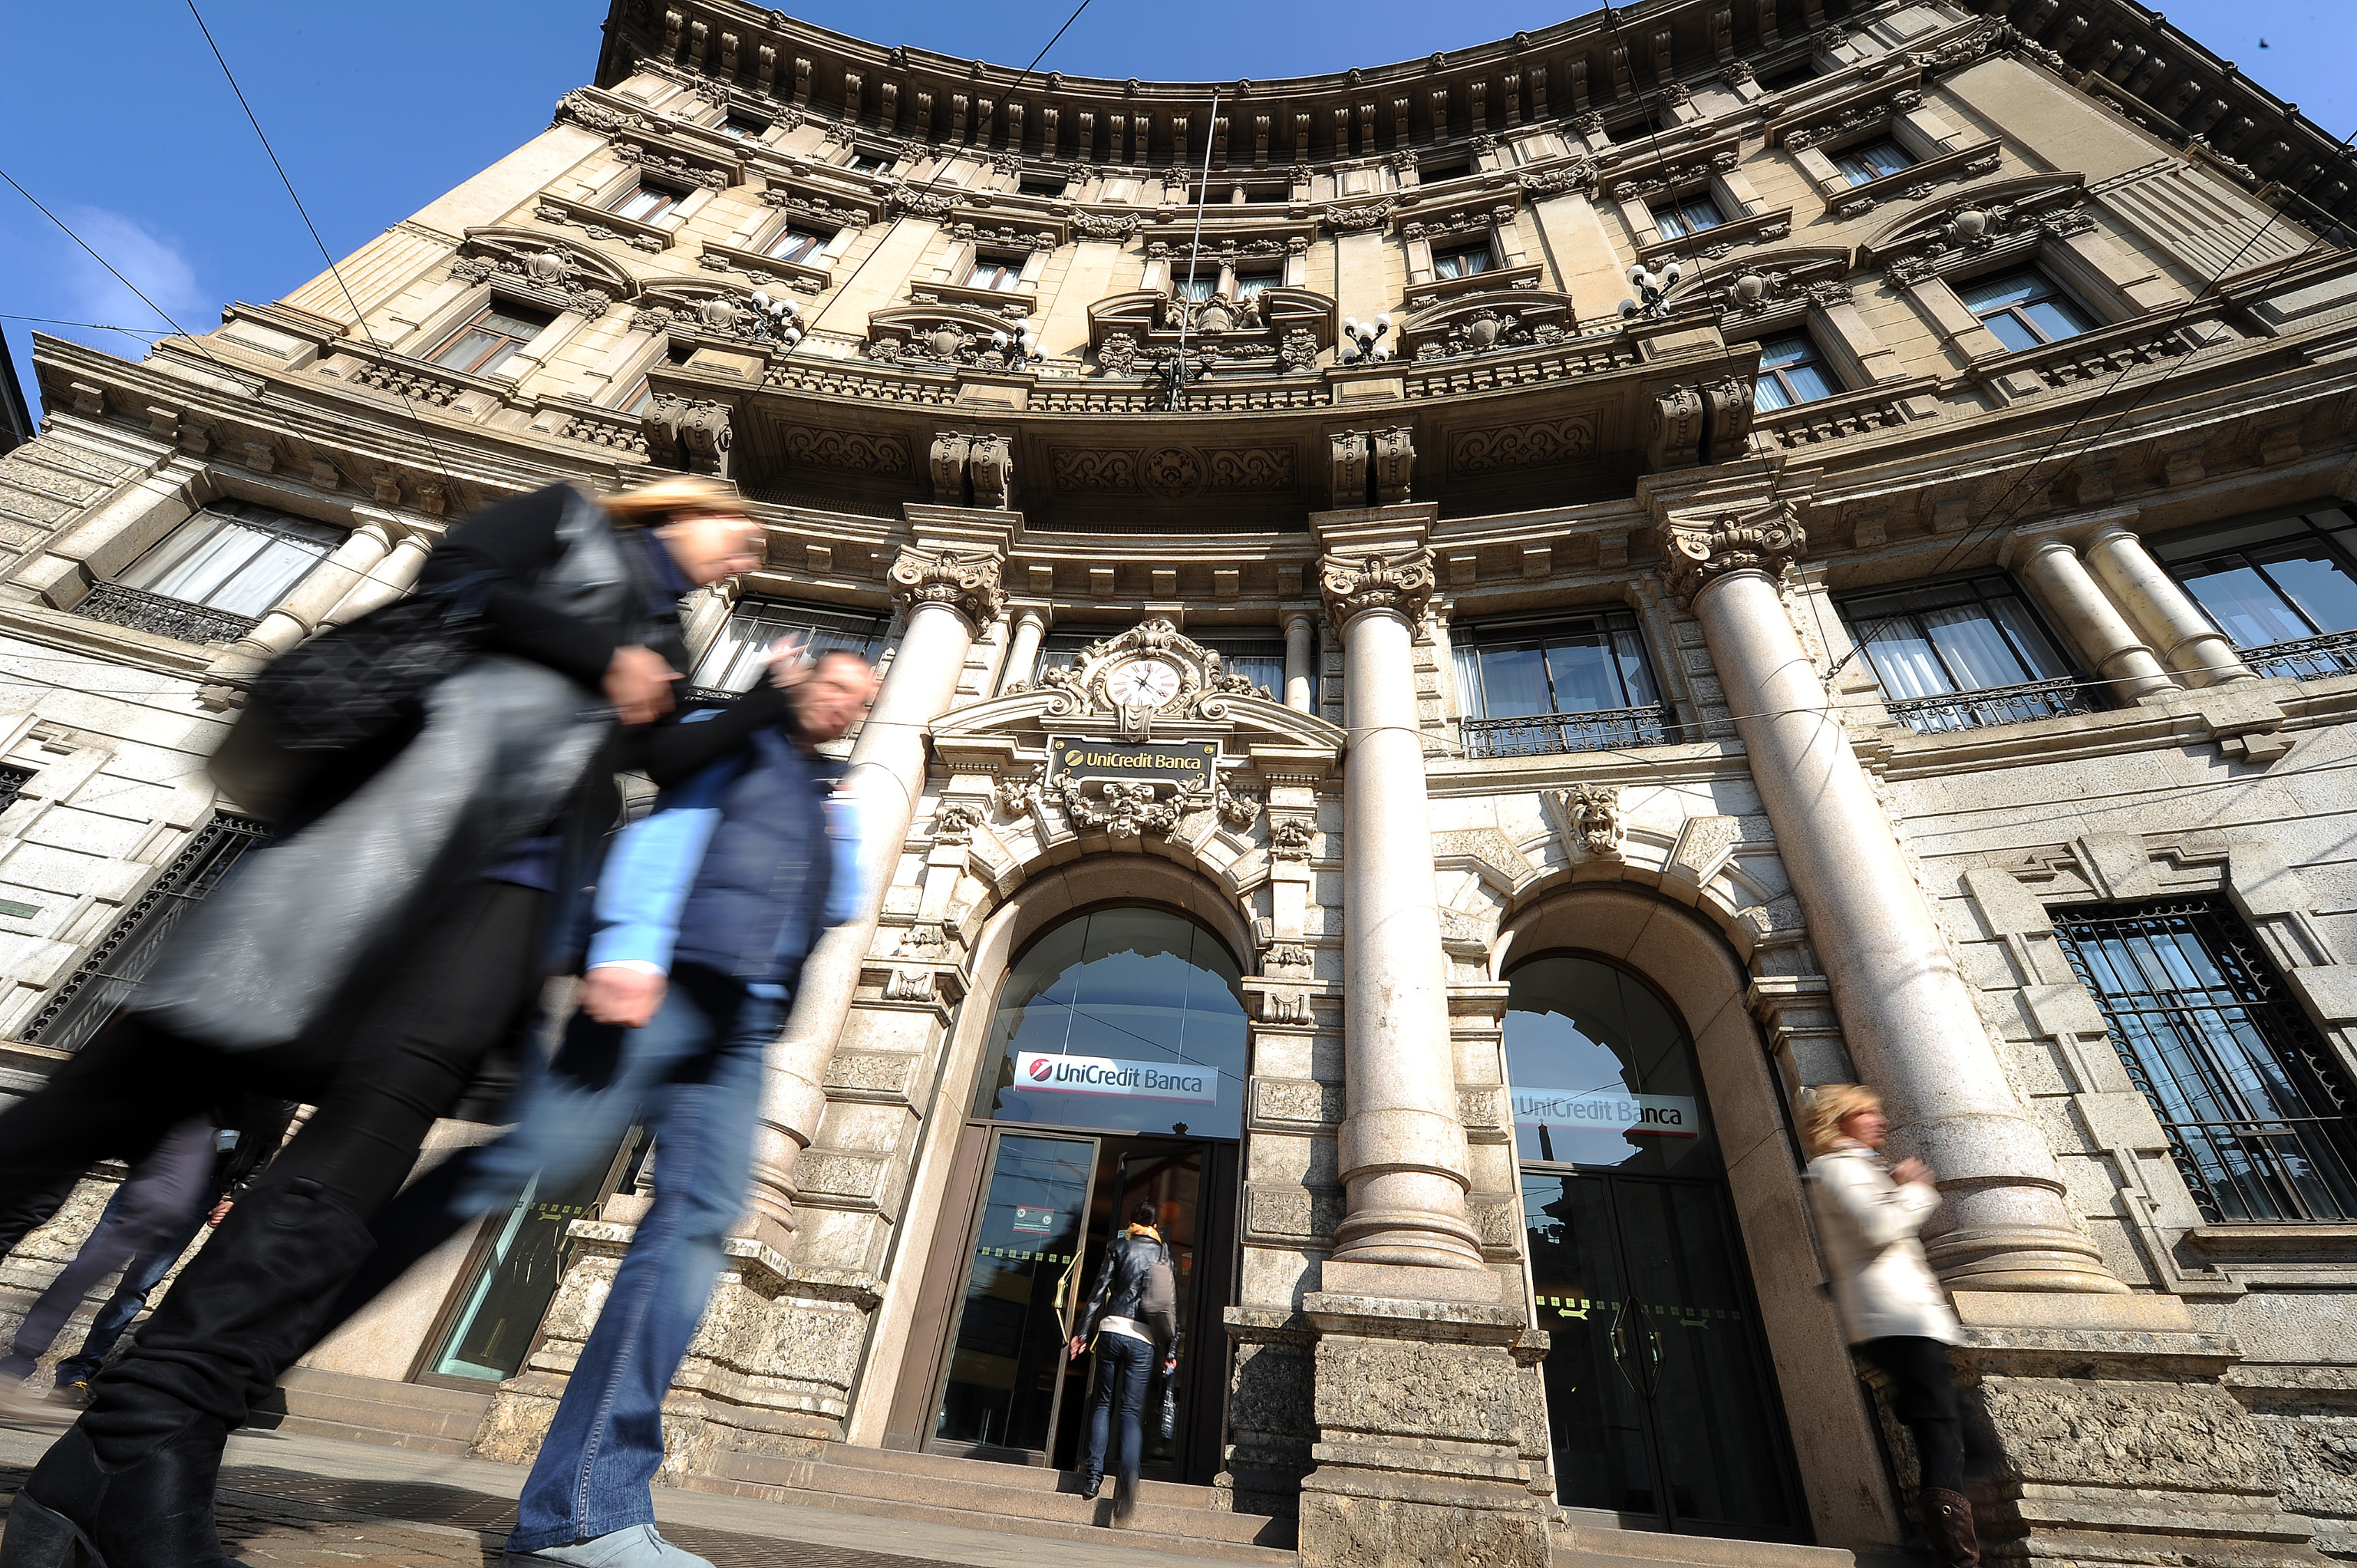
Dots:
{"x": 1677, "y": 219}
{"x": 993, "y": 273}
{"x": 1251, "y": 283}
{"x": 646, "y": 202}
{"x": 12, "y": 781}
{"x": 499, "y": 331}
{"x": 234, "y": 556}
{"x": 1450, "y": 168}
{"x": 2025, "y": 308}
{"x": 869, "y": 162}
{"x": 1567, "y": 683}
{"x": 2256, "y": 1107}
{"x": 1257, "y": 653}
{"x": 1975, "y": 635}
{"x": 735, "y": 661}
{"x": 2284, "y": 585}
{"x": 1198, "y": 288}
{"x": 104, "y": 980}
{"x": 1041, "y": 185}
{"x": 1872, "y": 160}
{"x": 1790, "y": 371}
{"x": 1463, "y": 262}
{"x": 1790, "y": 76}
{"x": 742, "y": 128}
{"x": 794, "y": 243}
{"x": 1643, "y": 130}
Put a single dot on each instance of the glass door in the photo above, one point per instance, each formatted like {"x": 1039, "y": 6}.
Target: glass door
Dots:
{"x": 1658, "y": 1398}
{"x": 1008, "y": 1361}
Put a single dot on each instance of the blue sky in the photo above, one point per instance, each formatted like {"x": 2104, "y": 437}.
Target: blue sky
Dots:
{"x": 116, "y": 117}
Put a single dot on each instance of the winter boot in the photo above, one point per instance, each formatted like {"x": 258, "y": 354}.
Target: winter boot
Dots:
{"x": 1948, "y": 1520}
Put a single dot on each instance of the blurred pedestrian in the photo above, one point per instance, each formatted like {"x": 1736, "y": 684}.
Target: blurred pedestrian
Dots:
{"x": 1132, "y": 1314}
{"x": 362, "y": 962}
{"x": 1890, "y": 1301}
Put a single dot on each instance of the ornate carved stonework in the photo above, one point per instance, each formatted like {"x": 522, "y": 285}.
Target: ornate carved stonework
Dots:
{"x": 694, "y": 434}
{"x": 1204, "y": 684}
{"x": 968, "y": 584}
{"x": 1126, "y": 809}
{"x": 552, "y": 275}
{"x": 954, "y": 823}
{"x": 1694, "y": 554}
{"x": 1289, "y": 837}
{"x": 1592, "y": 813}
{"x": 1355, "y": 586}
{"x": 1967, "y": 229}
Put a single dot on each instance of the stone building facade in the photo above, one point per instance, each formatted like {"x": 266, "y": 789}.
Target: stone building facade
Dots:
{"x": 1415, "y": 759}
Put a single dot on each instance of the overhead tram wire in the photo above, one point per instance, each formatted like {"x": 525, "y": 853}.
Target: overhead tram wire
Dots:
{"x": 1194, "y": 260}
{"x": 359, "y": 316}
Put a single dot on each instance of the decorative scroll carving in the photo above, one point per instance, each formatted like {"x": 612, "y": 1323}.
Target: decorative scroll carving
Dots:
{"x": 1392, "y": 455}
{"x": 848, "y": 450}
{"x": 1668, "y": 178}
{"x": 1205, "y": 682}
{"x": 941, "y": 336}
{"x": 1678, "y": 428}
{"x": 1592, "y": 811}
{"x": 1173, "y": 472}
{"x": 1530, "y": 446}
{"x": 1356, "y": 586}
{"x": 1932, "y": 242}
{"x": 1857, "y": 117}
{"x": 971, "y": 470}
{"x": 1099, "y": 226}
{"x": 671, "y": 165}
{"x": 1354, "y": 219}
{"x": 968, "y": 584}
{"x": 1130, "y": 809}
{"x": 1492, "y": 321}
{"x": 1695, "y": 554}
{"x": 554, "y": 276}
{"x": 695, "y": 433}
{"x": 1988, "y": 39}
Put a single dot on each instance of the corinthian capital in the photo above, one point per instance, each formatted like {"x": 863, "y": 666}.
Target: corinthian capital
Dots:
{"x": 966, "y": 584}
{"x": 1695, "y": 553}
{"x": 1353, "y": 585}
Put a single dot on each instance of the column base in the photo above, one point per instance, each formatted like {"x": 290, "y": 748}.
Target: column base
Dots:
{"x": 1420, "y": 1452}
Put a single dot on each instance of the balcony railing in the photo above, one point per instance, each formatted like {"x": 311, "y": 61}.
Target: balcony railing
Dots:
{"x": 1990, "y": 707}
{"x": 140, "y": 611}
{"x": 1537, "y": 734}
{"x": 2310, "y": 658}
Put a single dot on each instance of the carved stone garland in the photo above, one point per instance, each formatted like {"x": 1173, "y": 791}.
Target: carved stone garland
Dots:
{"x": 1695, "y": 554}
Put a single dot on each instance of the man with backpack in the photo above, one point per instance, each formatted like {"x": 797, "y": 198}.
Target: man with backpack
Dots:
{"x": 1133, "y": 1313}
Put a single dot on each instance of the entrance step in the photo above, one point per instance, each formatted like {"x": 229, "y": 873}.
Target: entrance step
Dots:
{"x": 1585, "y": 1538}
{"x": 1021, "y": 1499}
{"x": 375, "y": 1410}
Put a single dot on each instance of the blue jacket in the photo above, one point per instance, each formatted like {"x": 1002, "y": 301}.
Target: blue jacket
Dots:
{"x": 731, "y": 871}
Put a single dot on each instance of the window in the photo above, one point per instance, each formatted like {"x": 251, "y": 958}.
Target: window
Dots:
{"x": 1687, "y": 215}
{"x": 1790, "y": 76}
{"x": 12, "y": 781}
{"x": 794, "y": 243}
{"x": 105, "y": 980}
{"x": 2025, "y": 308}
{"x": 1254, "y": 283}
{"x": 1790, "y": 371}
{"x": 1973, "y": 635}
{"x": 1257, "y": 653}
{"x": 1643, "y": 130}
{"x": 1450, "y": 168}
{"x": 741, "y": 128}
{"x": 1463, "y": 262}
{"x": 2273, "y": 582}
{"x": 734, "y": 661}
{"x": 1202, "y": 286}
{"x": 869, "y": 162}
{"x": 1041, "y": 185}
{"x": 499, "y": 331}
{"x": 1872, "y": 160}
{"x": 991, "y": 272}
{"x": 2256, "y": 1110}
{"x": 646, "y": 202}
{"x": 234, "y": 556}
{"x": 1575, "y": 684}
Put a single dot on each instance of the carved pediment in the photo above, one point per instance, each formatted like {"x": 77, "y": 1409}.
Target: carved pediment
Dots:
{"x": 1993, "y": 220}
{"x": 719, "y": 310}
{"x": 1275, "y": 330}
{"x": 944, "y": 337}
{"x": 555, "y": 275}
{"x": 1488, "y": 322}
{"x": 1766, "y": 284}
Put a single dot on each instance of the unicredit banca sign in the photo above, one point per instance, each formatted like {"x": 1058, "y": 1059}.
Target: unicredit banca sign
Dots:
{"x": 1658, "y": 1115}
{"x": 1041, "y": 1073}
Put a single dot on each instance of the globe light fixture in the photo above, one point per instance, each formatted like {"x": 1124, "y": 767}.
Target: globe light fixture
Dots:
{"x": 1363, "y": 337}
{"x": 1652, "y": 290}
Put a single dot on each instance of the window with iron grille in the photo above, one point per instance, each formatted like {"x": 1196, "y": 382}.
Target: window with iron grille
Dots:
{"x": 105, "y": 980}
{"x": 2257, "y": 1110}
{"x": 734, "y": 661}
{"x": 1560, "y": 683}
{"x": 1962, "y": 654}
{"x": 215, "y": 574}
{"x": 12, "y": 783}
{"x": 2282, "y": 587}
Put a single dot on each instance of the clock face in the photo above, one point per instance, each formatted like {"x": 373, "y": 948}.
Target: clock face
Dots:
{"x": 1142, "y": 683}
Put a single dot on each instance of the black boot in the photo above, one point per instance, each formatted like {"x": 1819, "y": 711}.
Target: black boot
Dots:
{"x": 1124, "y": 1498}
{"x": 150, "y": 1506}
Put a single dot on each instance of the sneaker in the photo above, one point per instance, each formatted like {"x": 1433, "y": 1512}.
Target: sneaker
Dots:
{"x": 640, "y": 1546}
{"x": 74, "y": 1395}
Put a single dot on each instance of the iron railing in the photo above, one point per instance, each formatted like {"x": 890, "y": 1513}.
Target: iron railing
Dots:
{"x": 2309, "y": 658}
{"x": 1538, "y": 735}
{"x": 1990, "y": 707}
{"x": 119, "y": 605}
{"x": 11, "y": 782}
{"x": 2256, "y": 1110}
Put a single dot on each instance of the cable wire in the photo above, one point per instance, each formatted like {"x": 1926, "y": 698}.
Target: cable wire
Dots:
{"x": 1194, "y": 260}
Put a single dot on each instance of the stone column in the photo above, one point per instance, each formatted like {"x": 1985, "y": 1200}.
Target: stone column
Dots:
{"x": 949, "y": 598}
{"x": 1905, "y": 1009}
{"x": 301, "y": 612}
{"x": 1300, "y": 645}
{"x": 2163, "y": 610}
{"x": 1023, "y": 650}
{"x": 385, "y": 582}
{"x": 2058, "y": 577}
{"x": 1404, "y": 1159}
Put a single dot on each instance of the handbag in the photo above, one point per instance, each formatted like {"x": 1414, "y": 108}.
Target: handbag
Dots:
{"x": 1165, "y": 1417}
{"x": 345, "y": 689}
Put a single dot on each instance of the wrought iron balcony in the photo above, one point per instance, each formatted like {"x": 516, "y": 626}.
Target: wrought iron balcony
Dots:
{"x": 1990, "y": 707}
{"x": 2310, "y": 658}
{"x": 120, "y": 605}
{"x": 1537, "y": 734}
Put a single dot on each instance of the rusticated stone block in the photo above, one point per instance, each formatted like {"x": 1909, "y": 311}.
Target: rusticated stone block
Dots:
{"x": 2175, "y": 1436}
{"x": 1403, "y": 1388}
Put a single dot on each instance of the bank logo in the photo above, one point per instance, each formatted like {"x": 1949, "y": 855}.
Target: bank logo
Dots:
{"x": 1040, "y": 1072}
{"x": 1648, "y": 1115}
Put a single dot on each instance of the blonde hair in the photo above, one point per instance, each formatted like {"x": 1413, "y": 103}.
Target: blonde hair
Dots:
{"x": 654, "y": 503}
{"x": 1825, "y": 1107}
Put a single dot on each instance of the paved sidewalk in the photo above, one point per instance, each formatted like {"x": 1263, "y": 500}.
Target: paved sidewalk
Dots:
{"x": 299, "y": 1501}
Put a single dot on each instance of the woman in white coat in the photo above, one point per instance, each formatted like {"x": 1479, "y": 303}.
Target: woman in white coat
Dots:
{"x": 1891, "y": 1303}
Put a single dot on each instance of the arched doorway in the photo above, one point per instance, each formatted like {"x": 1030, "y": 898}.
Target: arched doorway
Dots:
{"x": 1661, "y": 1405}
{"x": 1112, "y": 1074}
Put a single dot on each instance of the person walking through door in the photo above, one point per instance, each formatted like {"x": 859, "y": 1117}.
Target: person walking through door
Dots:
{"x": 1132, "y": 1313}
{"x": 364, "y": 962}
{"x": 1889, "y": 1300}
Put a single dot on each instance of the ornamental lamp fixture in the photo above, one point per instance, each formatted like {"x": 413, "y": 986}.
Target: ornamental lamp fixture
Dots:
{"x": 783, "y": 315}
{"x": 1652, "y": 290}
{"x": 1019, "y": 343}
{"x": 1362, "y": 335}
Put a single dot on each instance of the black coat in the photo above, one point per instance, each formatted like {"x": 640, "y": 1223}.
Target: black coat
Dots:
{"x": 1136, "y": 1281}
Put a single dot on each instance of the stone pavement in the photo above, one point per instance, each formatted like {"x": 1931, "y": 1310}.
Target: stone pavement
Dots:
{"x": 313, "y": 1502}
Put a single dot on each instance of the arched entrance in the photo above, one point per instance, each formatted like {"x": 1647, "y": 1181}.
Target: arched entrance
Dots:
{"x": 1113, "y": 1073}
{"x": 1661, "y": 1405}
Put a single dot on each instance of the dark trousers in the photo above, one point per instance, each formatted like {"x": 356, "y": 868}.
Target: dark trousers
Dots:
{"x": 1124, "y": 1364}
{"x": 140, "y": 1278}
{"x": 34, "y": 1209}
{"x": 392, "y": 1060}
{"x": 1923, "y": 1395}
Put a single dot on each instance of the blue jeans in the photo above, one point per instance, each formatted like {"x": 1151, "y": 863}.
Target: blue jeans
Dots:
{"x": 130, "y": 1299}
{"x": 1124, "y": 1364}
{"x": 693, "y": 1077}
